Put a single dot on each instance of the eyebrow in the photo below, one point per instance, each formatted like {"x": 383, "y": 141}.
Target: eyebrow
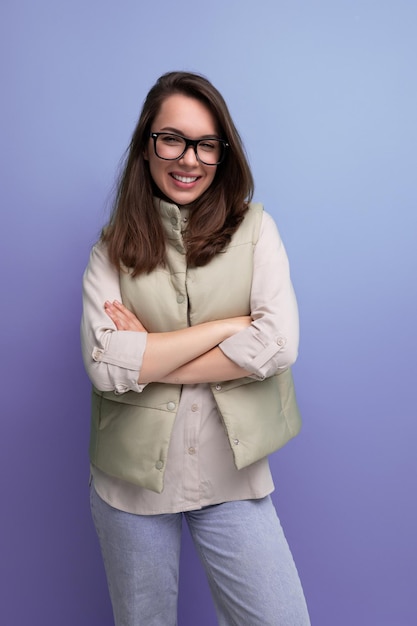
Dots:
{"x": 171, "y": 129}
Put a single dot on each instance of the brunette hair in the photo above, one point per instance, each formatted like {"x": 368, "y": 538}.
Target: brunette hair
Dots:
{"x": 134, "y": 235}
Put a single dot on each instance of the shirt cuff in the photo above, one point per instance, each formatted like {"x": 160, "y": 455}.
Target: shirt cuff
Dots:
{"x": 118, "y": 361}
{"x": 257, "y": 353}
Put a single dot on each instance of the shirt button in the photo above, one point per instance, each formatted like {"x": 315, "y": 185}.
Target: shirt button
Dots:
{"x": 236, "y": 442}
{"x": 159, "y": 465}
{"x": 171, "y": 406}
{"x": 218, "y": 387}
{"x": 180, "y": 298}
{"x": 191, "y": 450}
{"x": 281, "y": 341}
{"x": 97, "y": 354}
{"x": 194, "y": 407}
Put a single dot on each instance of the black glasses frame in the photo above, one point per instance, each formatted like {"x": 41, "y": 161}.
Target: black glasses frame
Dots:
{"x": 190, "y": 142}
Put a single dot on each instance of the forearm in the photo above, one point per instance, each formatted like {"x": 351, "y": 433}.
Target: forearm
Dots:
{"x": 188, "y": 351}
{"x": 210, "y": 367}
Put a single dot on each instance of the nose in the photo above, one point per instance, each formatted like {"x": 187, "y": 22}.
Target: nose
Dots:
{"x": 189, "y": 157}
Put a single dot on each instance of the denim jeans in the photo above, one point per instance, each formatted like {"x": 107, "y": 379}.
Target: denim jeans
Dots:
{"x": 251, "y": 573}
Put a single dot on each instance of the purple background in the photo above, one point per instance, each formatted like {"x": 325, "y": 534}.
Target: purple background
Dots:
{"x": 325, "y": 96}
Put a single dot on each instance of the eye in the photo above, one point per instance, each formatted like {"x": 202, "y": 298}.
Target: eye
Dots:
{"x": 208, "y": 146}
{"x": 171, "y": 140}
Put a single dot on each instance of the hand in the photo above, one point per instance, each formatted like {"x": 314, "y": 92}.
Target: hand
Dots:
{"x": 122, "y": 317}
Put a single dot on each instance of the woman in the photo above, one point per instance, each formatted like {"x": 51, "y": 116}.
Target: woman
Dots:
{"x": 189, "y": 328}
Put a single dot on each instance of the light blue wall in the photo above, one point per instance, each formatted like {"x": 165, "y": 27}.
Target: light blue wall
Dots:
{"x": 325, "y": 96}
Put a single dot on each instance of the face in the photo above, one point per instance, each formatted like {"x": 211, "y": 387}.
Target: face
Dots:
{"x": 183, "y": 180}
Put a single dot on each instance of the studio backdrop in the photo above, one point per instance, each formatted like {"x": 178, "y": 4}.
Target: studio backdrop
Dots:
{"x": 324, "y": 95}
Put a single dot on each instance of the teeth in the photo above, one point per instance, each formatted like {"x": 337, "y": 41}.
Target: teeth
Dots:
{"x": 185, "y": 179}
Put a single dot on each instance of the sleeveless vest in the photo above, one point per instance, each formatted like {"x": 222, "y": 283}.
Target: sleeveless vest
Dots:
{"x": 130, "y": 433}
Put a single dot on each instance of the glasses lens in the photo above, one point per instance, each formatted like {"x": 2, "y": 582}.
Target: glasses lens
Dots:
{"x": 169, "y": 146}
{"x": 210, "y": 151}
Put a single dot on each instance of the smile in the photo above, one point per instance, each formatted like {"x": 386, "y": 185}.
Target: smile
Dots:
{"x": 184, "y": 179}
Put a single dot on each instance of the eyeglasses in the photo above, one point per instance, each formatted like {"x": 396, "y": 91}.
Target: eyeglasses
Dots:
{"x": 171, "y": 147}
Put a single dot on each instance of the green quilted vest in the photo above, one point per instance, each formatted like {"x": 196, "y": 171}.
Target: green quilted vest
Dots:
{"x": 130, "y": 433}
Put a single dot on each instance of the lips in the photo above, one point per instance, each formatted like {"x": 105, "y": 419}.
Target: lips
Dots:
{"x": 184, "y": 179}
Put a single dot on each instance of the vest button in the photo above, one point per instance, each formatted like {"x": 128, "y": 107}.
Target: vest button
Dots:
{"x": 171, "y": 406}
{"x": 236, "y": 442}
{"x": 218, "y": 387}
{"x": 180, "y": 298}
{"x": 173, "y": 221}
{"x": 159, "y": 465}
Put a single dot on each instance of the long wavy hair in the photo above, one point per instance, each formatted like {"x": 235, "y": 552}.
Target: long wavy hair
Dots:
{"x": 134, "y": 234}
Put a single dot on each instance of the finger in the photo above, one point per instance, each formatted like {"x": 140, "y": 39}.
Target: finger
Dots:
{"x": 117, "y": 318}
{"x": 122, "y": 318}
{"x": 124, "y": 311}
{"x": 129, "y": 317}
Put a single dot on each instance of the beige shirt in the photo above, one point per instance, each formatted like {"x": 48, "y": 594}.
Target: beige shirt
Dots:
{"x": 200, "y": 470}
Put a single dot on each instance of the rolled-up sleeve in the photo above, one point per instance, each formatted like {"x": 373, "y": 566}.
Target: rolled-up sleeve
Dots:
{"x": 112, "y": 358}
{"x": 270, "y": 343}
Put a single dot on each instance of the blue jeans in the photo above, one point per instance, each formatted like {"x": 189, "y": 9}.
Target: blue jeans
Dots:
{"x": 251, "y": 573}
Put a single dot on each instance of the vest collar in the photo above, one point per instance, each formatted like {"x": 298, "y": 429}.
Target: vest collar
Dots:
{"x": 173, "y": 218}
